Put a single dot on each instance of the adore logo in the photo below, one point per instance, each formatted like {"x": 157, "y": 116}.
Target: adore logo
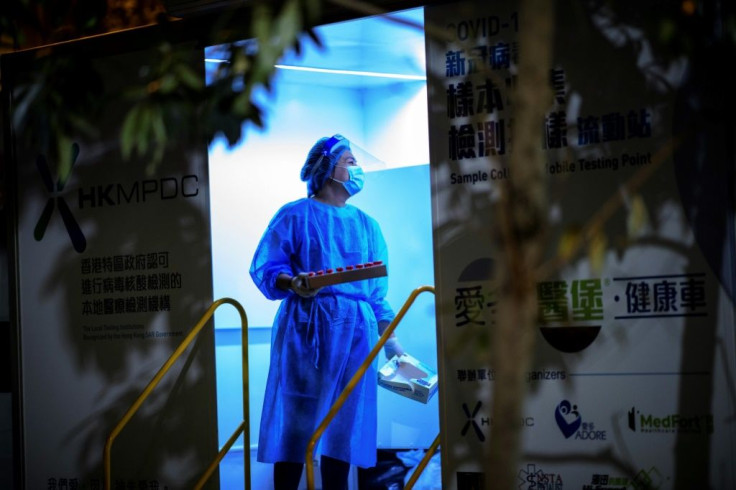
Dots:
{"x": 56, "y": 200}
{"x": 571, "y": 424}
{"x": 568, "y": 419}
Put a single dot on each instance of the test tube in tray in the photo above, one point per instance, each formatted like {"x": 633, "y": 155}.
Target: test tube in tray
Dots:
{"x": 349, "y": 273}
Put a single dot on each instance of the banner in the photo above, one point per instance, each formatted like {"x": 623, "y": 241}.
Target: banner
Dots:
{"x": 113, "y": 270}
{"x": 632, "y": 377}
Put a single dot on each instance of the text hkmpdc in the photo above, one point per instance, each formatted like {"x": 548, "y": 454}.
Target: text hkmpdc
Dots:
{"x": 137, "y": 192}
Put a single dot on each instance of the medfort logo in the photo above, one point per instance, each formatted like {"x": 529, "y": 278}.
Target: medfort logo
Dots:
{"x": 72, "y": 227}
{"x": 672, "y": 423}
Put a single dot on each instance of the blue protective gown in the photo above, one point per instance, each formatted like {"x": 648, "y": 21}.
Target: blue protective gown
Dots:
{"x": 318, "y": 343}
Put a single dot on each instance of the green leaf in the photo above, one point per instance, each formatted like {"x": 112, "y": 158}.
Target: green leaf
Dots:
{"x": 569, "y": 242}
{"x": 241, "y": 104}
{"x": 128, "y": 131}
{"x": 261, "y": 23}
{"x": 667, "y": 30}
{"x": 158, "y": 127}
{"x": 241, "y": 64}
{"x": 312, "y": 9}
{"x": 597, "y": 252}
{"x": 637, "y": 219}
{"x": 188, "y": 77}
{"x": 83, "y": 124}
{"x": 288, "y": 24}
{"x": 168, "y": 83}
{"x": 143, "y": 130}
{"x": 65, "y": 155}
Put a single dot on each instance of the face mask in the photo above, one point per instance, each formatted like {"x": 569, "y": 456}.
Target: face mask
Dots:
{"x": 356, "y": 177}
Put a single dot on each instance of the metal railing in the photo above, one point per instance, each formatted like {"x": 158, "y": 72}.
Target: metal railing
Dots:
{"x": 423, "y": 463}
{"x": 353, "y": 383}
{"x": 244, "y": 426}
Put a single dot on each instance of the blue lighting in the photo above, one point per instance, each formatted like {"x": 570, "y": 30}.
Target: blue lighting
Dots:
{"x": 395, "y": 76}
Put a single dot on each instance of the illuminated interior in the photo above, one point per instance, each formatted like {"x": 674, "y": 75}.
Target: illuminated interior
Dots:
{"x": 368, "y": 84}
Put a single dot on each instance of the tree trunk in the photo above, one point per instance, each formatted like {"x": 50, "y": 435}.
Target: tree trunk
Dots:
{"x": 521, "y": 223}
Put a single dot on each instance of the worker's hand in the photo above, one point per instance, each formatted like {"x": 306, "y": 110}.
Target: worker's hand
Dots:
{"x": 299, "y": 286}
{"x": 392, "y": 347}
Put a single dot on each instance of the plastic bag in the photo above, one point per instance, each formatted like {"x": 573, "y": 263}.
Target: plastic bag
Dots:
{"x": 431, "y": 477}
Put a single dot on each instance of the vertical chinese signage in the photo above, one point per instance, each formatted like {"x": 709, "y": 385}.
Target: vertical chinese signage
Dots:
{"x": 113, "y": 270}
{"x": 628, "y": 365}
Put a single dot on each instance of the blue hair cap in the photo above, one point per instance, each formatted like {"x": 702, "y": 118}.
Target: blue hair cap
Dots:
{"x": 321, "y": 159}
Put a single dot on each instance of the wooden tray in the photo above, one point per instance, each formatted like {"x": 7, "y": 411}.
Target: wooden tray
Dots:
{"x": 349, "y": 273}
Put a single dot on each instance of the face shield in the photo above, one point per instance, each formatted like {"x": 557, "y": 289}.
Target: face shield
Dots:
{"x": 365, "y": 159}
{"x": 324, "y": 155}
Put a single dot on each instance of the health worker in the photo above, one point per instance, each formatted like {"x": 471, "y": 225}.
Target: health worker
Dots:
{"x": 321, "y": 336}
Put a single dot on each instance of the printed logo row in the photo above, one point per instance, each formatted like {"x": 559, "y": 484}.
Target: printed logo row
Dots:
{"x": 534, "y": 477}
{"x": 569, "y": 419}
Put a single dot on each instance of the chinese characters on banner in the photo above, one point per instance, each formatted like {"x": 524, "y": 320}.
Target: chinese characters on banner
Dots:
{"x": 114, "y": 269}
{"x": 142, "y": 280}
{"x": 627, "y": 361}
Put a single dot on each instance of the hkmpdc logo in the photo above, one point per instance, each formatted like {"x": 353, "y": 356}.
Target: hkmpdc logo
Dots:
{"x": 472, "y": 422}
{"x": 56, "y": 200}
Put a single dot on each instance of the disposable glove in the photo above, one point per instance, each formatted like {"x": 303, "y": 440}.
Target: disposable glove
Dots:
{"x": 392, "y": 347}
{"x": 299, "y": 286}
